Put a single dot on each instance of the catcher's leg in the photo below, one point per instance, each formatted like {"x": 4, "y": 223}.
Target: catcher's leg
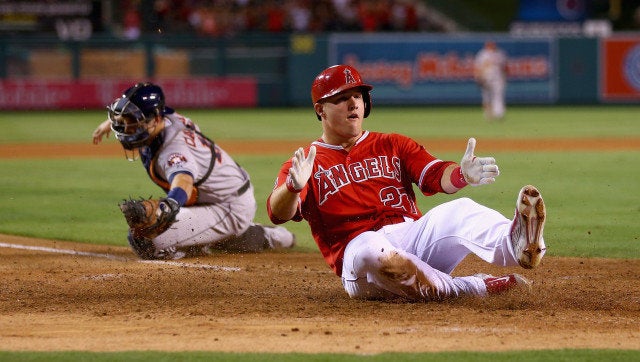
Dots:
{"x": 205, "y": 226}
{"x": 258, "y": 238}
{"x": 251, "y": 241}
{"x": 225, "y": 226}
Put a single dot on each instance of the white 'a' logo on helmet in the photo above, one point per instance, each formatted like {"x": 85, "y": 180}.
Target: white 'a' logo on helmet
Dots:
{"x": 348, "y": 77}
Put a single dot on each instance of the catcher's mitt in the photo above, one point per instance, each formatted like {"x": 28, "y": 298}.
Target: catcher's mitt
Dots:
{"x": 148, "y": 218}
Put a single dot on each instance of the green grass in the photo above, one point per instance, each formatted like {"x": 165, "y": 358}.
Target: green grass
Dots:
{"x": 300, "y": 123}
{"x": 591, "y": 213}
{"x": 590, "y": 195}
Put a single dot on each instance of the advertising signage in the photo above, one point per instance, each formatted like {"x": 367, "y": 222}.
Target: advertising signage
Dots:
{"x": 97, "y": 94}
{"x": 620, "y": 69}
{"x": 417, "y": 69}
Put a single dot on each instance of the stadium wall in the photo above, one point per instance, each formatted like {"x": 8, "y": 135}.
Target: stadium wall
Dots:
{"x": 277, "y": 70}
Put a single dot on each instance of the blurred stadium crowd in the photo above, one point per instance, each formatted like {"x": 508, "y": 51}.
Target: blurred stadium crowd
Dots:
{"x": 228, "y": 17}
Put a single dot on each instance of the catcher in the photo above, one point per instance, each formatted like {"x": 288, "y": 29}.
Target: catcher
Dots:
{"x": 209, "y": 204}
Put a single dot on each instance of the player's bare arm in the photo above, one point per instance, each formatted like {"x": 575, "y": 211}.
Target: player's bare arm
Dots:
{"x": 183, "y": 181}
{"x": 283, "y": 203}
{"x": 103, "y": 129}
{"x": 447, "y": 176}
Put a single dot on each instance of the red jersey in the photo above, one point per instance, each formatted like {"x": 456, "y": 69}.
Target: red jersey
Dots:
{"x": 363, "y": 189}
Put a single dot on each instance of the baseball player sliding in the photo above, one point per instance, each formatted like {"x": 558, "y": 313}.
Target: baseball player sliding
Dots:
{"x": 355, "y": 189}
{"x": 209, "y": 204}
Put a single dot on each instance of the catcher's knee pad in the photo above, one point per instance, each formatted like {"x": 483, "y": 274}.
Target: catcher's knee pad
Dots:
{"x": 143, "y": 247}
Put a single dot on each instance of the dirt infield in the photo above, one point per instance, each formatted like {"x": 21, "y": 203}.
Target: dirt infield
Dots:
{"x": 68, "y": 296}
{"x": 284, "y": 302}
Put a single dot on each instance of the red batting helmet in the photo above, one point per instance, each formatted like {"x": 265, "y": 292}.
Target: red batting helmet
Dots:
{"x": 339, "y": 78}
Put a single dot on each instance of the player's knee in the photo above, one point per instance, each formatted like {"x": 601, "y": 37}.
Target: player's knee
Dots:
{"x": 395, "y": 266}
{"x": 371, "y": 247}
{"x": 465, "y": 201}
{"x": 362, "y": 255}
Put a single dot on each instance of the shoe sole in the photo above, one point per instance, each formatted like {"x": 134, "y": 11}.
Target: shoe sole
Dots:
{"x": 532, "y": 212}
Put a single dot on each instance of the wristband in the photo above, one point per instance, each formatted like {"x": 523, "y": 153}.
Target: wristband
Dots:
{"x": 178, "y": 194}
{"x": 457, "y": 178}
{"x": 290, "y": 186}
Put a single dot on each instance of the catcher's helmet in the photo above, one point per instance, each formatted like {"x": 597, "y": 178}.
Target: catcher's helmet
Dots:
{"x": 339, "y": 78}
{"x": 131, "y": 113}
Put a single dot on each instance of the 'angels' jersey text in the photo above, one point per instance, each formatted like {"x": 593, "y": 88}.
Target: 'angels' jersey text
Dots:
{"x": 331, "y": 180}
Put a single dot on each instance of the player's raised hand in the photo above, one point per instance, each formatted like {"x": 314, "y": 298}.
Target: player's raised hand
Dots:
{"x": 103, "y": 129}
{"x": 478, "y": 170}
{"x": 300, "y": 170}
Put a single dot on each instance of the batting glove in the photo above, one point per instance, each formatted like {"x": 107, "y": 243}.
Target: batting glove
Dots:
{"x": 300, "y": 170}
{"x": 478, "y": 170}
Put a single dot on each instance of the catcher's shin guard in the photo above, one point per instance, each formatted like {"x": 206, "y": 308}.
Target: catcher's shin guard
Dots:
{"x": 258, "y": 238}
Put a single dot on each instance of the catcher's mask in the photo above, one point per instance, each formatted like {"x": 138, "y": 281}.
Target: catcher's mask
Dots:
{"x": 336, "y": 79}
{"x": 131, "y": 114}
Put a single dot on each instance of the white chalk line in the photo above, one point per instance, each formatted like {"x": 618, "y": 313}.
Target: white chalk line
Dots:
{"x": 118, "y": 258}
